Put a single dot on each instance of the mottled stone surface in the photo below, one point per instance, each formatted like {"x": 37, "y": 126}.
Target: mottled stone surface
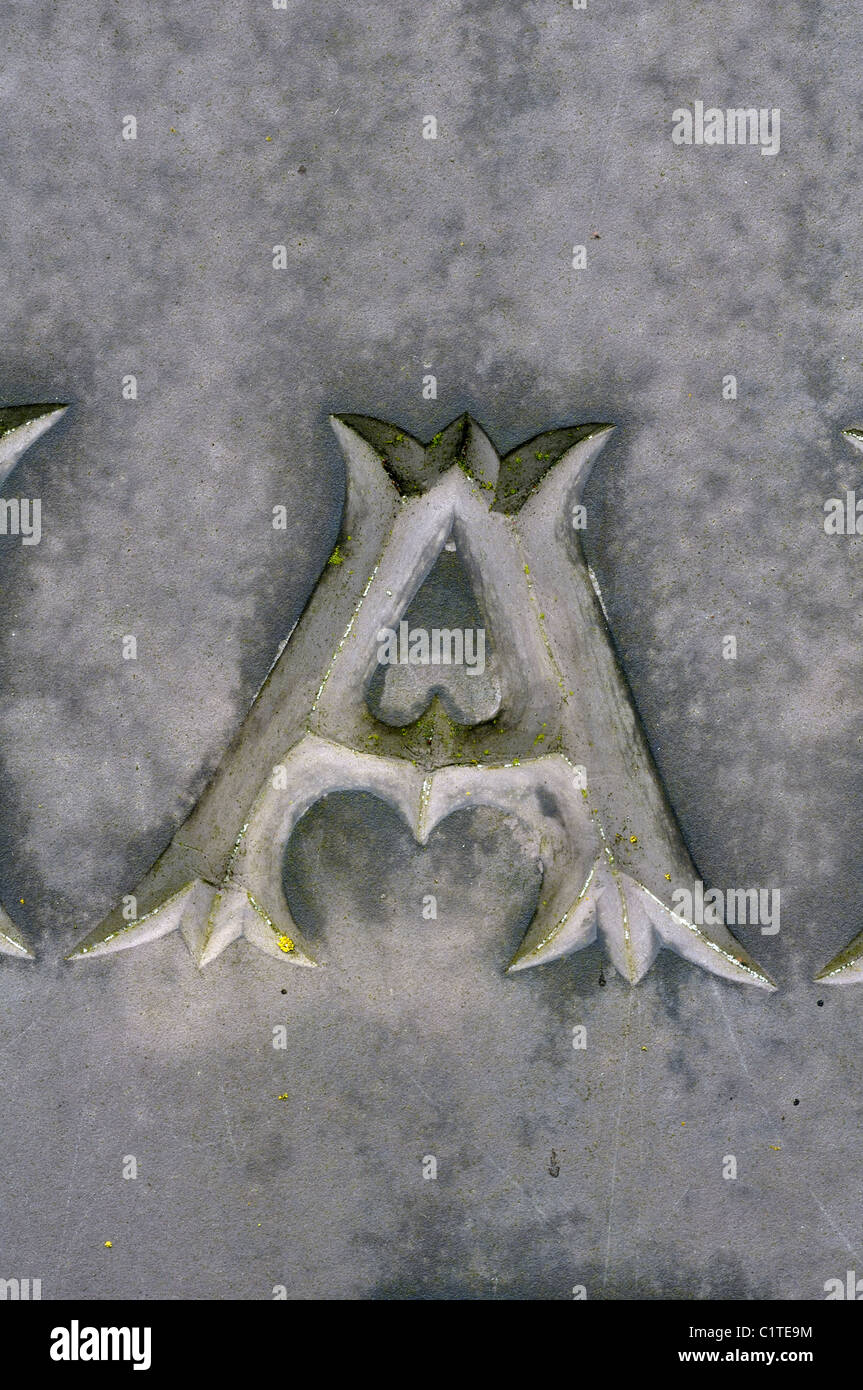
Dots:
{"x": 705, "y": 518}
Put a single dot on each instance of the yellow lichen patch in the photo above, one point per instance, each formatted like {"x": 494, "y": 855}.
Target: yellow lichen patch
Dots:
{"x": 284, "y": 1096}
{"x": 633, "y": 839}
{"x": 109, "y": 1245}
{"x": 285, "y": 944}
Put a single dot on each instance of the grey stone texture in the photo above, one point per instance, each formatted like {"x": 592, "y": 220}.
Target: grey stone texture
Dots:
{"x": 302, "y": 127}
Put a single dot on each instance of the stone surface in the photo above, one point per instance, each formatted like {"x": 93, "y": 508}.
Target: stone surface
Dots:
{"x": 154, "y": 257}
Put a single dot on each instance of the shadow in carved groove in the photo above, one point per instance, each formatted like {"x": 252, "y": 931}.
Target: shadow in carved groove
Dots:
{"x": 20, "y": 426}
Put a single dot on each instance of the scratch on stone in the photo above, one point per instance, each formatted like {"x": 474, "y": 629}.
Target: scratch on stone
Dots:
{"x": 837, "y": 1230}
{"x": 228, "y": 1119}
{"x": 617, "y": 1143}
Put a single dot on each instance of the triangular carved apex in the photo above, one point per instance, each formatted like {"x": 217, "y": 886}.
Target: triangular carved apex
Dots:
{"x": 525, "y": 469}
{"x": 415, "y": 467}
{"x": 846, "y": 968}
{"x": 21, "y": 426}
{"x": 11, "y": 941}
{"x": 855, "y": 437}
{"x": 402, "y": 456}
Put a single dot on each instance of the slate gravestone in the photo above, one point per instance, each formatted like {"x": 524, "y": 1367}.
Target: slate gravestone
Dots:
{"x": 282, "y": 240}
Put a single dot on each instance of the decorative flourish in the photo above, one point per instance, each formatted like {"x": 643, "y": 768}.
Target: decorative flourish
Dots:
{"x": 562, "y": 748}
{"x": 20, "y": 426}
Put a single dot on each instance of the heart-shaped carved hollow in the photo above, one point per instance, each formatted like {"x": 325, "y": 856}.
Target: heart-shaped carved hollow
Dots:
{"x": 373, "y": 903}
{"x": 441, "y": 647}
{"x": 541, "y": 793}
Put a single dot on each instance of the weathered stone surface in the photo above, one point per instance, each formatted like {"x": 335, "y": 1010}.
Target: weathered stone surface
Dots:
{"x": 155, "y": 258}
